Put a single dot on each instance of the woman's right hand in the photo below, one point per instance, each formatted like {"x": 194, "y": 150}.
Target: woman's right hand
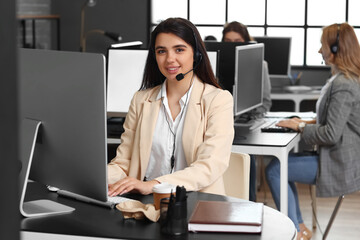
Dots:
{"x": 290, "y": 123}
{"x": 130, "y": 184}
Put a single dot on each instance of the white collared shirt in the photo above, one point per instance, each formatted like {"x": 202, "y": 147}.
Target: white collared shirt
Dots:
{"x": 163, "y": 139}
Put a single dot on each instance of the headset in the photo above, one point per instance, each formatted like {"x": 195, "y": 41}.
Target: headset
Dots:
{"x": 197, "y": 59}
{"x": 334, "y": 48}
{"x": 197, "y": 53}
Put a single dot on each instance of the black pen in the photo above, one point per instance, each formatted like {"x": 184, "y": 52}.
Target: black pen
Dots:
{"x": 180, "y": 194}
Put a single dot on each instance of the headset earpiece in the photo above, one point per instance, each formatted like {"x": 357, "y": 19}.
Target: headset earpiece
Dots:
{"x": 197, "y": 53}
{"x": 335, "y": 47}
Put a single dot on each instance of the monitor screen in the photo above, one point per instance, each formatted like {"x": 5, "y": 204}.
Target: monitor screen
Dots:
{"x": 214, "y": 61}
{"x": 277, "y": 55}
{"x": 124, "y": 76}
{"x": 65, "y": 92}
{"x": 248, "y": 78}
{"x": 226, "y": 68}
{"x": 125, "y": 69}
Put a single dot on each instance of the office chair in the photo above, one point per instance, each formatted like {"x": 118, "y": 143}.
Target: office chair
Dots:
{"x": 237, "y": 176}
{"x": 333, "y": 215}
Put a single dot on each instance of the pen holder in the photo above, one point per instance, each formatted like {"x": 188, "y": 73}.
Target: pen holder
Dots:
{"x": 173, "y": 217}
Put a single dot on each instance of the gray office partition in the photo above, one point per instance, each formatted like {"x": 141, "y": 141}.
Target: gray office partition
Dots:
{"x": 9, "y": 168}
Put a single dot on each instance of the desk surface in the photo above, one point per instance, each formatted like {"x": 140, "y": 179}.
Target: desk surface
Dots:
{"x": 255, "y": 137}
{"x": 94, "y": 221}
{"x": 297, "y": 90}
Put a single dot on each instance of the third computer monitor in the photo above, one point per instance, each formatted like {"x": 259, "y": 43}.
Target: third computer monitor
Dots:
{"x": 249, "y": 60}
{"x": 226, "y": 61}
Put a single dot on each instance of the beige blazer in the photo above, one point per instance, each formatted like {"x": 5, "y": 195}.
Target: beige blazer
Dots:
{"x": 207, "y": 138}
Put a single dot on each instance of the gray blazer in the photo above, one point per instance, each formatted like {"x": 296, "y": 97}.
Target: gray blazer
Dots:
{"x": 338, "y": 137}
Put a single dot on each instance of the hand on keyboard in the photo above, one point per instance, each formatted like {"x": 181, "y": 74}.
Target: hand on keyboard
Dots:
{"x": 118, "y": 199}
{"x": 277, "y": 129}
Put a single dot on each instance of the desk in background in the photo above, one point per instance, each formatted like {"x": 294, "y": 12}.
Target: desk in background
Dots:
{"x": 274, "y": 144}
{"x": 33, "y": 18}
{"x": 296, "y": 96}
{"x": 102, "y": 223}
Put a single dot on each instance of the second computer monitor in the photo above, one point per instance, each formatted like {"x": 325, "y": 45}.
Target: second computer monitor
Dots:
{"x": 248, "y": 88}
{"x": 277, "y": 55}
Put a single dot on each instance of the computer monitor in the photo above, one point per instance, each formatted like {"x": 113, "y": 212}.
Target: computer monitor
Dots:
{"x": 125, "y": 71}
{"x": 248, "y": 78}
{"x": 277, "y": 55}
{"x": 63, "y": 131}
{"x": 214, "y": 61}
{"x": 226, "y": 68}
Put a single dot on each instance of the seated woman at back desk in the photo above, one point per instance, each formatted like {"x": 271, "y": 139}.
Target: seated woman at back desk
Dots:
{"x": 335, "y": 169}
{"x": 237, "y": 32}
{"x": 179, "y": 127}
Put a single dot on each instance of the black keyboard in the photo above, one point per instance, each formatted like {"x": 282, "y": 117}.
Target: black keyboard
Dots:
{"x": 276, "y": 129}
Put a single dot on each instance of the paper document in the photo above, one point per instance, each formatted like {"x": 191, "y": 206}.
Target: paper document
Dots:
{"x": 310, "y": 115}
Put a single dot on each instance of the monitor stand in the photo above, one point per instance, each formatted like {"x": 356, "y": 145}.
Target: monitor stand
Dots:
{"x": 42, "y": 207}
{"x": 243, "y": 125}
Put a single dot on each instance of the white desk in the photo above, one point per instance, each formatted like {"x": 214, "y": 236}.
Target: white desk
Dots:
{"x": 297, "y": 98}
{"x": 275, "y": 144}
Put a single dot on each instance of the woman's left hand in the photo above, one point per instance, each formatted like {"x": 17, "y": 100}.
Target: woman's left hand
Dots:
{"x": 290, "y": 123}
{"x": 129, "y": 184}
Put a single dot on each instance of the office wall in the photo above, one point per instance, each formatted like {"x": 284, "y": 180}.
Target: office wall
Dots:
{"x": 129, "y": 18}
{"x": 9, "y": 205}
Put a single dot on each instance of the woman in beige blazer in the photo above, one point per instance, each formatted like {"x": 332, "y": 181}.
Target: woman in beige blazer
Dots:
{"x": 179, "y": 127}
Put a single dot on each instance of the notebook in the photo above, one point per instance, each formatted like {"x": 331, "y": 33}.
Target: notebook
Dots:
{"x": 218, "y": 216}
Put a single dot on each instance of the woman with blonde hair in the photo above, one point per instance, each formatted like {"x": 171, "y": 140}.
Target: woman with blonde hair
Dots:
{"x": 335, "y": 168}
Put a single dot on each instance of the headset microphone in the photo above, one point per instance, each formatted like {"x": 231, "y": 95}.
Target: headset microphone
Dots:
{"x": 181, "y": 76}
{"x": 197, "y": 59}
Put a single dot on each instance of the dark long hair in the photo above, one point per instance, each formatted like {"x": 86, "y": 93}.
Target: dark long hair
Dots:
{"x": 185, "y": 30}
{"x": 238, "y": 28}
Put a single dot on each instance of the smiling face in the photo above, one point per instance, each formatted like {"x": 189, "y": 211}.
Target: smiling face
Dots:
{"x": 173, "y": 55}
{"x": 233, "y": 37}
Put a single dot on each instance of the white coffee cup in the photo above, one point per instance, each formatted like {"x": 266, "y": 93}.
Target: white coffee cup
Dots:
{"x": 162, "y": 190}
